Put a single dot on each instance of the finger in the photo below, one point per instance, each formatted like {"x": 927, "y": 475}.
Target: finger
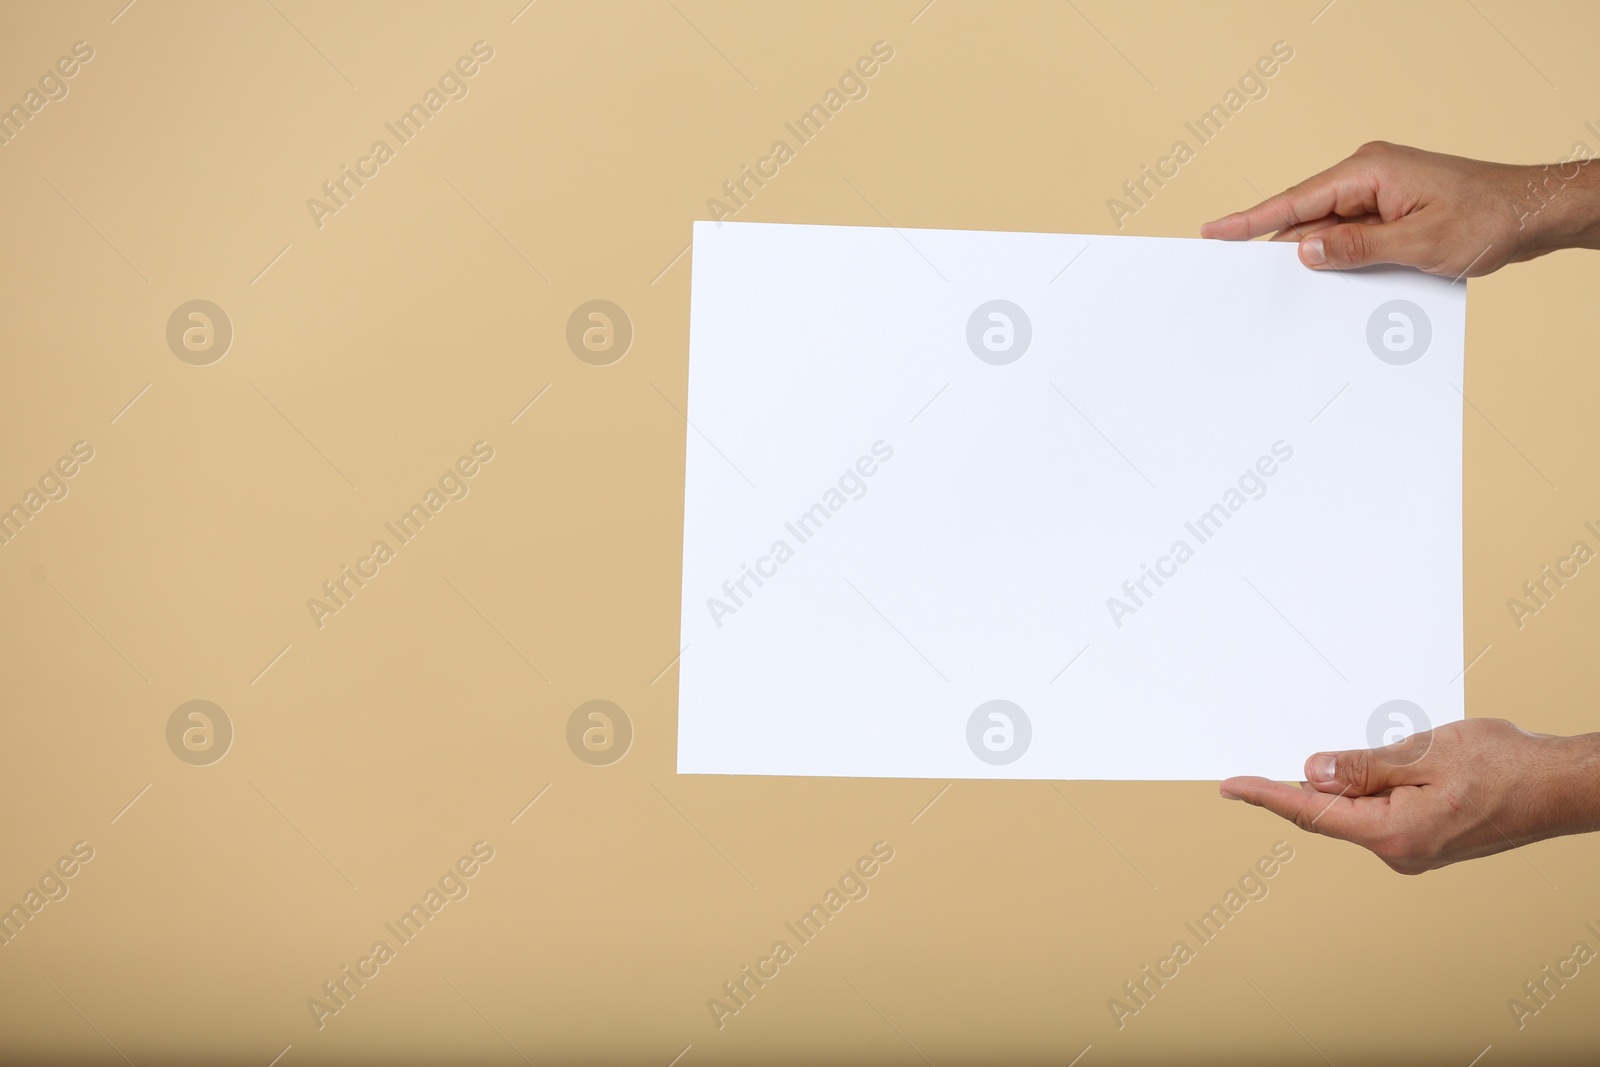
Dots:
{"x": 1345, "y": 188}
{"x": 1301, "y": 231}
{"x": 1355, "y": 245}
{"x": 1358, "y": 820}
{"x": 1364, "y": 772}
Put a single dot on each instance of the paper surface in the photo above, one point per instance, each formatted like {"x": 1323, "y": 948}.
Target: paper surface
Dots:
{"x": 1007, "y": 505}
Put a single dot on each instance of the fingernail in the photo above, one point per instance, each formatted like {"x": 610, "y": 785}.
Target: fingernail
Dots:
{"x": 1311, "y": 252}
{"x": 1320, "y": 768}
{"x": 1227, "y": 795}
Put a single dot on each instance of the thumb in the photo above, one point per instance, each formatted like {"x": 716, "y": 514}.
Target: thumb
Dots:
{"x": 1366, "y": 772}
{"x": 1356, "y": 244}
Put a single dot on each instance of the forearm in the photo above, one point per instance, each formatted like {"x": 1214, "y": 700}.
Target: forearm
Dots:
{"x": 1559, "y": 207}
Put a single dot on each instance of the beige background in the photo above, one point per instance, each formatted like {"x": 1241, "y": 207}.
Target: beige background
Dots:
{"x": 424, "y": 316}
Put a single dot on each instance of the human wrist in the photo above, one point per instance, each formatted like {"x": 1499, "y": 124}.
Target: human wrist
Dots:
{"x": 1576, "y": 770}
{"x": 1558, "y": 206}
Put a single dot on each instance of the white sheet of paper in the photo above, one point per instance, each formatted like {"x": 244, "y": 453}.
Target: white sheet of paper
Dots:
{"x": 906, "y": 503}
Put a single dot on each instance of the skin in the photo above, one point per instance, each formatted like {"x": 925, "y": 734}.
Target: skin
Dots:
{"x": 1442, "y": 214}
{"x": 1480, "y": 786}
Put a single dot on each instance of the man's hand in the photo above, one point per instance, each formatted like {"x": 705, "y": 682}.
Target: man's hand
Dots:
{"x": 1464, "y": 790}
{"x": 1443, "y": 214}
